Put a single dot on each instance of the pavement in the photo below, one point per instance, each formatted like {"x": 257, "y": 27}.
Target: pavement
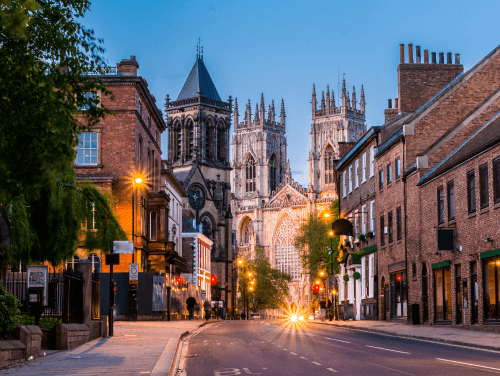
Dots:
{"x": 278, "y": 347}
{"x": 436, "y": 333}
{"x": 137, "y": 348}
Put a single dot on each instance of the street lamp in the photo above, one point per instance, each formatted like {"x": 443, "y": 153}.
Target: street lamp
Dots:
{"x": 136, "y": 183}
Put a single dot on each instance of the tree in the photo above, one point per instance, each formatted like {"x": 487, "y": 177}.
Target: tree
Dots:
{"x": 45, "y": 58}
{"x": 270, "y": 287}
{"x": 318, "y": 250}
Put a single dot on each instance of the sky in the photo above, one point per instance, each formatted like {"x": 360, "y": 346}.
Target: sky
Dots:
{"x": 280, "y": 48}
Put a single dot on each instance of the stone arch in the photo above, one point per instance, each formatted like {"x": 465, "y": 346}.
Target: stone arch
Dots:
{"x": 286, "y": 256}
{"x": 210, "y": 138}
{"x": 221, "y": 141}
{"x": 274, "y": 172}
{"x": 189, "y": 141}
{"x": 246, "y": 230}
{"x": 177, "y": 139}
{"x": 328, "y": 165}
{"x": 250, "y": 170}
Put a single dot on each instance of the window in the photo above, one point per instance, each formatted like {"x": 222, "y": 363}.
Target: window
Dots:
{"x": 483, "y": 186}
{"x": 363, "y": 278}
{"x": 471, "y": 191}
{"x": 492, "y": 289}
{"x": 451, "y": 200}
{"x": 273, "y": 173}
{"x": 71, "y": 265}
{"x": 250, "y": 174}
{"x": 350, "y": 179}
{"x": 398, "y": 168}
{"x": 363, "y": 177}
{"x": 190, "y": 145}
{"x": 389, "y": 173}
{"x": 95, "y": 260}
{"x": 87, "y": 151}
{"x": 363, "y": 219}
{"x": 371, "y": 275}
{"x": 344, "y": 184}
{"x": 389, "y": 224}
{"x": 440, "y": 204}
{"x": 356, "y": 225}
{"x": 399, "y": 230}
{"x": 442, "y": 294}
{"x": 496, "y": 180}
{"x": 139, "y": 152}
{"x": 329, "y": 175}
{"x": 356, "y": 174}
{"x": 140, "y": 108}
{"x": 372, "y": 213}
{"x": 221, "y": 142}
{"x": 372, "y": 161}
{"x": 88, "y": 97}
{"x": 152, "y": 225}
{"x": 382, "y": 229}
{"x": 399, "y": 294}
{"x": 381, "y": 179}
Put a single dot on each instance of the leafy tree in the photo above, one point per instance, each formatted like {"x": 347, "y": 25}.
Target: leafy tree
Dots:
{"x": 271, "y": 285}
{"x": 318, "y": 250}
{"x": 9, "y": 312}
{"x": 45, "y": 58}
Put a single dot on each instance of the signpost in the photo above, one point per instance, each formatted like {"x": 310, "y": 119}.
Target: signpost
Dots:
{"x": 111, "y": 259}
{"x": 133, "y": 273}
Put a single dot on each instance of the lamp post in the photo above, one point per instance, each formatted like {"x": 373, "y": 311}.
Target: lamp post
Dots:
{"x": 136, "y": 182}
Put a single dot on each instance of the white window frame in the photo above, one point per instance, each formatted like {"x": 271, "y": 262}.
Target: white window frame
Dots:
{"x": 356, "y": 229}
{"x": 363, "y": 178}
{"x": 398, "y": 168}
{"x": 363, "y": 219}
{"x": 350, "y": 179}
{"x": 81, "y": 149}
{"x": 372, "y": 161}
{"x": 371, "y": 275}
{"x": 372, "y": 214}
{"x": 356, "y": 173}
{"x": 344, "y": 184}
{"x": 363, "y": 278}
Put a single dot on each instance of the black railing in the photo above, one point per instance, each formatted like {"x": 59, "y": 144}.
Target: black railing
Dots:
{"x": 96, "y": 297}
{"x": 104, "y": 71}
{"x": 73, "y": 298}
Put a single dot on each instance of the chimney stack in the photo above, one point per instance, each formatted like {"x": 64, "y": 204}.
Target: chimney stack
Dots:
{"x": 441, "y": 58}
{"x": 434, "y": 58}
{"x": 401, "y": 54}
{"x": 426, "y": 56}
{"x": 389, "y": 103}
{"x": 396, "y": 103}
{"x": 448, "y": 58}
{"x": 457, "y": 58}
{"x": 418, "y": 55}
{"x": 410, "y": 53}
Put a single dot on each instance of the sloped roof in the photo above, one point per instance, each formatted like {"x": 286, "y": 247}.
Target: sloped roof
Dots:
{"x": 199, "y": 79}
{"x": 187, "y": 227}
{"x": 485, "y": 137}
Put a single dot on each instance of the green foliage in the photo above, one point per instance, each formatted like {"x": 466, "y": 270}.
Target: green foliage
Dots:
{"x": 346, "y": 277}
{"x": 45, "y": 322}
{"x": 317, "y": 249}
{"x": 39, "y": 99}
{"x": 356, "y": 275}
{"x": 271, "y": 285}
{"x": 9, "y": 312}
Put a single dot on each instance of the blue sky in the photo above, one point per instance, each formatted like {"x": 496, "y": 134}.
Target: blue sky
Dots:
{"x": 281, "y": 48}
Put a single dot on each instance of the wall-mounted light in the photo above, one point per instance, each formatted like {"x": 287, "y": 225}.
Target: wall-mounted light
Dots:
{"x": 488, "y": 240}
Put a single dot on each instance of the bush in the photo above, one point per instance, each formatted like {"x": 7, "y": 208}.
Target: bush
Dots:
{"x": 356, "y": 275}
{"x": 346, "y": 277}
{"x": 9, "y": 312}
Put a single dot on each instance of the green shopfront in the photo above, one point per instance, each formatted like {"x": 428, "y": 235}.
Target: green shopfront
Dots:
{"x": 491, "y": 285}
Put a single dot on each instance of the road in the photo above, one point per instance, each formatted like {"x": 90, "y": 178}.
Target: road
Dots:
{"x": 280, "y": 348}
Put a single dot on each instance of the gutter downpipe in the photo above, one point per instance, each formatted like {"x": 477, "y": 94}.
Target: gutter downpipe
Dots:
{"x": 406, "y": 228}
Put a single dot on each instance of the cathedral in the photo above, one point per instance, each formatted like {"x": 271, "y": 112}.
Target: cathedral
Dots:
{"x": 267, "y": 204}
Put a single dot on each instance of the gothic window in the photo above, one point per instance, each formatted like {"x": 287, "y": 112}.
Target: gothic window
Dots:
{"x": 206, "y": 227}
{"x": 273, "y": 173}
{"x": 246, "y": 231}
{"x": 209, "y": 140}
{"x": 190, "y": 139}
{"x": 286, "y": 255}
{"x": 176, "y": 140}
{"x": 221, "y": 143}
{"x": 329, "y": 165}
{"x": 250, "y": 174}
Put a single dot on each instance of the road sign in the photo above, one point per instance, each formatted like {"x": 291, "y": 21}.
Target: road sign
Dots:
{"x": 133, "y": 273}
{"x": 123, "y": 247}
{"x": 112, "y": 259}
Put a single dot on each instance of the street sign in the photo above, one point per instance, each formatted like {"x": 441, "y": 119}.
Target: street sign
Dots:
{"x": 133, "y": 273}
{"x": 123, "y": 247}
{"x": 112, "y": 259}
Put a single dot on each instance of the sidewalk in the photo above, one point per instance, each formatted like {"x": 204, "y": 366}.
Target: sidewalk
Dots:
{"x": 137, "y": 348}
{"x": 446, "y": 334}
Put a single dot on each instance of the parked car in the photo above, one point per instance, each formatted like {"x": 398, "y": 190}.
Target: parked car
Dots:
{"x": 255, "y": 316}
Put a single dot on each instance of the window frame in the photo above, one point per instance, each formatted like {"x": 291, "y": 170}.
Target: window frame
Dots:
{"x": 363, "y": 219}
{"x": 398, "y": 167}
{"x": 471, "y": 191}
{"x": 399, "y": 227}
{"x": 356, "y": 174}
{"x": 390, "y": 231}
{"x": 372, "y": 213}
{"x": 484, "y": 192}
{"x": 350, "y": 179}
{"x": 450, "y": 193}
{"x": 496, "y": 180}
{"x": 363, "y": 175}
{"x": 381, "y": 179}
{"x": 372, "y": 161}
{"x": 344, "y": 183}
{"x": 81, "y": 147}
{"x": 440, "y": 204}
{"x": 389, "y": 173}
{"x": 382, "y": 229}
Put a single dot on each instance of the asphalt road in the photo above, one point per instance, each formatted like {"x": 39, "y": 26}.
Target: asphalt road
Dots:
{"x": 279, "y": 348}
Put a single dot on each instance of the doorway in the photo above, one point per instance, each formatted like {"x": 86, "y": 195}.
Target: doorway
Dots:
{"x": 425, "y": 293}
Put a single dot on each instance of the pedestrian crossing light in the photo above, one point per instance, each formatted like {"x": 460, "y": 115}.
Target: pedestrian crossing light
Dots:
{"x": 213, "y": 279}
{"x": 316, "y": 288}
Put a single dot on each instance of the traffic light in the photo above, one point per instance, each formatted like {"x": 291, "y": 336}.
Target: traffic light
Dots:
{"x": 213, "y": 280}
{"x": 180, "y": 280}
{"x": 316, "y": 288}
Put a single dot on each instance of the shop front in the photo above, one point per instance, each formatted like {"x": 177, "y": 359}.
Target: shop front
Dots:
{"x": 442, "y": 292}
{"x": 491, "y": 279}
{"x": 398, "y": 290}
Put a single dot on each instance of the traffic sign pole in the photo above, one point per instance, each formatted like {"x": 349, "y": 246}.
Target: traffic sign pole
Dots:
{"x": 111, "y": 294}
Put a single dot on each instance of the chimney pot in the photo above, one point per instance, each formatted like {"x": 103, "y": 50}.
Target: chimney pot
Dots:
{"x": 389, "y": 103}
{"x": 401, "y": 53}
{"x": 457, "y": 58}
{"x": 426, "y": 56}
{"x": 132, "y": 57}
{"x": 441, "y": 58}
{"x": 448, "y": 58}
{"x": 396, "y": 103}
{"x": 434, "y": 58}
{"x": 410, "y": 53}
{"x": 418, "y": 55}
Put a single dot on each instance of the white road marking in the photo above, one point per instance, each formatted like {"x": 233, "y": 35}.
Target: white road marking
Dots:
{"x": 331, "y": 369}
{"x": 468, "y": 364}
{"x": 381, "y": 348}
{"x": 303, "y": 358}
{"x": 292, "y": 353}
{"x": 248, "y": 371}
{"x": 338, "y": 340}
{"x": 285, "y": 349}
{"x": 319, "y": 364}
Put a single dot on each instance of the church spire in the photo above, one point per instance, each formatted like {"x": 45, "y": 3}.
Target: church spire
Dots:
{"x": 353, "y": 98}
{"x": 257, "y": 119}
{"x": 313, "y": 101}
{"x": 235, "y": 112}
{"x": 273, "y": 112}
{"x": 334, "y": 105}
{"x": 248, "y": 115}
{"x": 328, "y": 99}
{"x": 343, "y": 97}
{"x": 362, "y": 103}
{"x": 262, "y": 110}
{"x": 282, "y": 114}
{"x": 322, "y": 100}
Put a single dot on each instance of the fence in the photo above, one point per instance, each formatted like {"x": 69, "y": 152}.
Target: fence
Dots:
{"x": 96, "y": 297}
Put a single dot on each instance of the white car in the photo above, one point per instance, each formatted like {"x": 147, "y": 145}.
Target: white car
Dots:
{"x": 255, "y": 316}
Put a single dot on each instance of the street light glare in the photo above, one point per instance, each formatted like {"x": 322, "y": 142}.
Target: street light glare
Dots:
{"x": 327, "y": 215}
{"x": 138, "y": 180}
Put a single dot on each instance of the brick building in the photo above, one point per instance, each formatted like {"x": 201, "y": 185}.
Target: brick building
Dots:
{"x": 124, "y": 146}
{"x": 357, "y": 192}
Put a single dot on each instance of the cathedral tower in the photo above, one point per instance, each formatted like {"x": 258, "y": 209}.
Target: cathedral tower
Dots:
{"x": 258, "y": 152}
{"x": 335, "y": 126}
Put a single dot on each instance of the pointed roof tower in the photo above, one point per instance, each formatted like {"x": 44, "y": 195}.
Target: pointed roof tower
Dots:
{"x": 362, "y": 103}
{"x": 199, "y": 79}
{"x": 235, "y": 112}
{"x": 282, "y": 114}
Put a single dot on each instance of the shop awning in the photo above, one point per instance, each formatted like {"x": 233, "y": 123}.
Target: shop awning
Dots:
{"x": 367, "y": 250}
{"x": 441, "y": 264}
{"x": 487, "y": 254}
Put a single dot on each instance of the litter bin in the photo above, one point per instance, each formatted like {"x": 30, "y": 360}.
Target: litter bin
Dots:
{"x": 415, "y": 313}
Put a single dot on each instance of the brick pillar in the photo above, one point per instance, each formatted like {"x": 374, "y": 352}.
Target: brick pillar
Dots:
{"x": 85, "y": 267}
